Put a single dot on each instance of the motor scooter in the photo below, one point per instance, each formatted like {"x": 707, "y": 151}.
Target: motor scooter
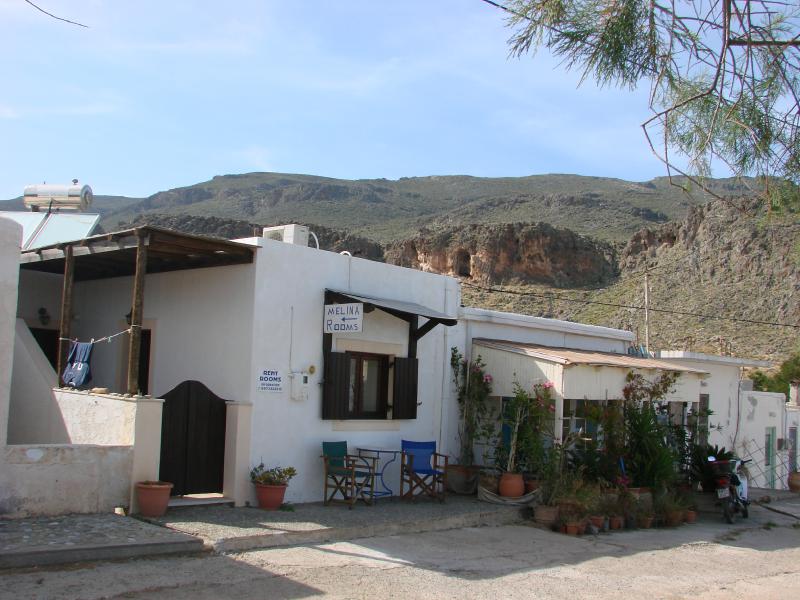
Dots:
{"x": 730, "y": 478}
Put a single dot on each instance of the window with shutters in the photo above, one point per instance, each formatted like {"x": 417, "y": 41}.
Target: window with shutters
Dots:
{"x": 368, "y": 386}
{"x": 357, "y": 384}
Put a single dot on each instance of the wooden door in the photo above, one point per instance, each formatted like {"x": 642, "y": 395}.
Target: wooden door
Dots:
{"x": 193, "y": 439}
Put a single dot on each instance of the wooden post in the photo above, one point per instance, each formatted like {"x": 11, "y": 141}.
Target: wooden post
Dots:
{"x": 137, "y": 307}
{"x": 65, "y": 328}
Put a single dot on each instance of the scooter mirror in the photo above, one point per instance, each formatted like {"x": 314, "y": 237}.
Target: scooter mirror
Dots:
{"x": 712, "y": 458}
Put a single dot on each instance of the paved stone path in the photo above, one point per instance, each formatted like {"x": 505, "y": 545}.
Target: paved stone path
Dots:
{"x": 229, "y": 529}
{"x": 48, "y": 540}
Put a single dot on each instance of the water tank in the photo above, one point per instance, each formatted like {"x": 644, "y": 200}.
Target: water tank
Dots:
{"x": 44, "y": 196}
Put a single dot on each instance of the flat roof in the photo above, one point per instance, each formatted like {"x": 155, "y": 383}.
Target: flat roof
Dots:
{"x": 114, "y": 254}
{"x": 713, "y": 358}
{"x": 574, "y": 356}
{"x": 486, "y": 315}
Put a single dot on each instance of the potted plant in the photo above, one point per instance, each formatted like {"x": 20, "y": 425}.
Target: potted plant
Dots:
{"x": 271, "y": 484}
{"x": 153, "y": 497}
{"x": 473, "y": 386}
{"x": 527, "y": 417}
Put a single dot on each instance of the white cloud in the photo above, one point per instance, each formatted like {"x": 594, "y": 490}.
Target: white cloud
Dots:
{"x": 8, "y": 112}
{"x": 255, "y": 157}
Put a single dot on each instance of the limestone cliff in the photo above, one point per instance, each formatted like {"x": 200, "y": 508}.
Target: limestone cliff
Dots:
{"x": 525, "y": 252}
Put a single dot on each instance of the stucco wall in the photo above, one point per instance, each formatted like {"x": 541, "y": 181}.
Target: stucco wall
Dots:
{"x": 10, "y": 237}
{"x": 200, "y": 322}
{"x": 60, "y": 479}
{"x": 289, "y": 293}
{"x": 760, "y": 411}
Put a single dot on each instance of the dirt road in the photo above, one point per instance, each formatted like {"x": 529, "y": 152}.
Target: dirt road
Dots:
{"x": 708, "y": 560}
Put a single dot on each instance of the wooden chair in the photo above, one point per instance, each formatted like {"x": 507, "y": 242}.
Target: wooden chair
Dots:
{"x": 423, "y": 470}
{"x": 353, "y": 477}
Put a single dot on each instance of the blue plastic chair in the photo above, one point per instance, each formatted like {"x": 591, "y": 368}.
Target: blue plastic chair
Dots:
{"x": 423, "y": 469}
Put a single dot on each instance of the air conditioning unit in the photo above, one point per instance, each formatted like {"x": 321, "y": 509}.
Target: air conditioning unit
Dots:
{"x": 290, "y": 234}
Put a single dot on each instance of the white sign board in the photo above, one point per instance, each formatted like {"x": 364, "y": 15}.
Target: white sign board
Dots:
{"x": 270, "y": 380}
{"x": 343, "y": 318}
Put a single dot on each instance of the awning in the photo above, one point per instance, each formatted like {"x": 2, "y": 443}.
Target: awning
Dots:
{"x": 397, "y": 308}
{"x": 571, "y": 356}
{"x": 114, "y": 254}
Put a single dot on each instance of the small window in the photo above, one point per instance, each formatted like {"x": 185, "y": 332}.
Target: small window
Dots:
{"x": 368, "y": 386}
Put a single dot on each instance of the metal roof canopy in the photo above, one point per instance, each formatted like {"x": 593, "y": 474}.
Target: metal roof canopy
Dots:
{"x": 397, "y": 308}
{"x": 571, "y": 356}
{"x": 114, "y": 254}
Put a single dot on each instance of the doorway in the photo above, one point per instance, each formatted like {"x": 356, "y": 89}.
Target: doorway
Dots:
{"x": 193, "y": 439}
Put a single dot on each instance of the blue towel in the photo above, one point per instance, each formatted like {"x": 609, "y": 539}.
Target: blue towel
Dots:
{"x": 78, "y": 371}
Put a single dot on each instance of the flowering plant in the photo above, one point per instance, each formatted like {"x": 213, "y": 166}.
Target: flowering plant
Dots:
{"x": 474, "y": 386}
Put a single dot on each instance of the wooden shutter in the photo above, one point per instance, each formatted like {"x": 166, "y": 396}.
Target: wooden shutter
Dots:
{"x": 405, "y": 388}
{"x": 335, "y": 390}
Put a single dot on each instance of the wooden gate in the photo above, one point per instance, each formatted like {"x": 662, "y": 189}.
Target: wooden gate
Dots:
{"x": 192, "y": 439}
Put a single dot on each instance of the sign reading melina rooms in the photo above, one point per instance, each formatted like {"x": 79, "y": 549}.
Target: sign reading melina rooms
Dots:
{"x": 343, "y": 318}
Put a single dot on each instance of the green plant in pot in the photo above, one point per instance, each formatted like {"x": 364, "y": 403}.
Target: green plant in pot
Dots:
{"x": 271, "y": 484}
{"x": 473, "y": 387}
{"x": 527, "y": 418}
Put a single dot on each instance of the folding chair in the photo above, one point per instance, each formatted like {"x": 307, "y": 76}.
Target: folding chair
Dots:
{"x": 353, "y": 477}
{"x": 423, "y": 470}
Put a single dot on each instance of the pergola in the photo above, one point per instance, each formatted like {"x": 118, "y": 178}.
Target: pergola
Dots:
{"x": 133, "y": 252}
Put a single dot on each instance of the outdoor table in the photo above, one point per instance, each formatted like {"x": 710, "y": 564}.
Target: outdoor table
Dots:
{"x": 380, "y": 453}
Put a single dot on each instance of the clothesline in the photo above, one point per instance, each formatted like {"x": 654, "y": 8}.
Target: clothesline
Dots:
{"x": 108, "y": 338}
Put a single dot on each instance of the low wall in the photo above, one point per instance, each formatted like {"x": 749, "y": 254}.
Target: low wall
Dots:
{"x": 61, "y": 479}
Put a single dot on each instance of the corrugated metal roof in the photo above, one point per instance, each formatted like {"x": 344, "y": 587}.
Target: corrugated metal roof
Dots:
{"x": 573, "y": 356}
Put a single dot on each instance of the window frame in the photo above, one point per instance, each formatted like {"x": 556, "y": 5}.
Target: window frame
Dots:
{"x": 381, "y": 413}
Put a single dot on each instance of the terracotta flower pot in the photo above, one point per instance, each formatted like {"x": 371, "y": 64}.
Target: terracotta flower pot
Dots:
{"x": 615, "y": 522}
{"x": 545, "y": 515}
{"x": 511, "y": 485}
{"x": 270, "y": 497}
{"x": 597, "y": 521}
{"x": 462, "y": 479}
{"x": 572, "y": 528}
{"x": 153, "y": 497}
{"x": 673, "y": 518}
{"x": 794, "y": 481}
{"x": 644, "y": 522}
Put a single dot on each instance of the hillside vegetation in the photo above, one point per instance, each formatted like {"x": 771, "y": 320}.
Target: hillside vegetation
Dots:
{"x": 387, "y": 210}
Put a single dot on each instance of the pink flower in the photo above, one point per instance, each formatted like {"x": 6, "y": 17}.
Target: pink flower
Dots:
{"x": 551, "y": 408}
{"x": 487, "y": 378}
{"x": 547, "y": 385}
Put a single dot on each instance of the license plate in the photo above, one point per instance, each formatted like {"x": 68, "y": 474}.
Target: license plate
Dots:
{"x": 723, "y": 493}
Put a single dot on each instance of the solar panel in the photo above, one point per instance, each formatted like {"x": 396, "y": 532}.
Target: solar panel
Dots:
{"x": 43, "y": 229}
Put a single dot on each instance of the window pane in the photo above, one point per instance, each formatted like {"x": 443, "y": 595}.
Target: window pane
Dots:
{"x": 351, "y": 403}
{"x": 371, "y": 384}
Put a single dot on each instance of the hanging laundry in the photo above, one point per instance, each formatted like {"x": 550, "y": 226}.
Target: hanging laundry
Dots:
{"x": 78, "y": 371}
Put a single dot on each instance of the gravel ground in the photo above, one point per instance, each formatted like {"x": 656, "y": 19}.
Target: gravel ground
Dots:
{"x": 758, "y": 558}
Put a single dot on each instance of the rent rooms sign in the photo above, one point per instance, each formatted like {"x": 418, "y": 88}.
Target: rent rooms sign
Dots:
{"x": 343, "y": 318}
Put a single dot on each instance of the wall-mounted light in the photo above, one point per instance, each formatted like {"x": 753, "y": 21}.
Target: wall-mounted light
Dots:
{"x": 44, "y": 316}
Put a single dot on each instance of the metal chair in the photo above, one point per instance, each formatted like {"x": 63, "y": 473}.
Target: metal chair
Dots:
{"x": 423, "y": 470}
{"x": 351, "y": 476}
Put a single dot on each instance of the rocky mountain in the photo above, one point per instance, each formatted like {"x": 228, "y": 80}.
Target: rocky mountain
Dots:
{"x": 725, "y": 259}
{"x": 556, "y": 245}
{"x": 386, "y": 210}
{"x": 523, "y": 252}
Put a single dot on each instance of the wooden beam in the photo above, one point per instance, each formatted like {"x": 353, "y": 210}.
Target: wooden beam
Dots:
{"x": 66, "y": 313}
{"x": 137, "y": 308}
{"x": 429, "y": 325}
{"x": 413, "y": 336}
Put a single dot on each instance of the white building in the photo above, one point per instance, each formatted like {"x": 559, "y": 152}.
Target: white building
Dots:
{"x": 759, "y": 426}
{"x": 229, "y": 337}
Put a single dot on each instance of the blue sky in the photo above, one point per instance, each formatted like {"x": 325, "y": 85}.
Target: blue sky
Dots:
{"x": 156, "y": 95}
